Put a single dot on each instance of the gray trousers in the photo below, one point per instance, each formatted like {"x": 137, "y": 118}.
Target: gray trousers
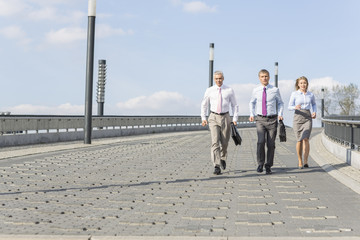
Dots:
{"x": 266, "y": 130}
{"x": 219, "y": 126}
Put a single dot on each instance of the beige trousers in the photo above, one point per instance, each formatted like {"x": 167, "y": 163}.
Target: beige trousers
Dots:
{"x": 219, "y": 126}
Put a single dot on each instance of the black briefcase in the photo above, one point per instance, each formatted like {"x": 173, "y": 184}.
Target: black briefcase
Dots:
{"x": 282, "y": 134}
{"x": 235, "y": 134}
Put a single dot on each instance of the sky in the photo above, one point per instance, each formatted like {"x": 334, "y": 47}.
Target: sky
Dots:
{"x": 157, "y": 51}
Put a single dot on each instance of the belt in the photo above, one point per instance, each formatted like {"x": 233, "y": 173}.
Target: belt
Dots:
{"x": 219, "y": 113}
{"x": 269, "y": 116}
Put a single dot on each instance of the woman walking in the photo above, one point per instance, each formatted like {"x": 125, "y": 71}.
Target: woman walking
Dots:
{"x": 302, "y": 101}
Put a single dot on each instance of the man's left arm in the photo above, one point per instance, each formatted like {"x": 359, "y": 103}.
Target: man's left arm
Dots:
{"x": 280, "y": 105}
{"x": 234, "y": 107}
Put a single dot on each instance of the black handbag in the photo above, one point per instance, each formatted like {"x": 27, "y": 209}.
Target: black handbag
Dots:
{"x": 282, "y": 134}
{"x": 235, "y": 134}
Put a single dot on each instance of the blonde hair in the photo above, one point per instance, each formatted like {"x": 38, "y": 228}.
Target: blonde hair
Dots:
{"x": 298, "y": 80}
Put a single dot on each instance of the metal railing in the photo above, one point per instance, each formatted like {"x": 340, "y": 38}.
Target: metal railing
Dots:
{"x": 344, "y": 130}
{"x": 48, "y": 128}
{"x": 25, "y": 124}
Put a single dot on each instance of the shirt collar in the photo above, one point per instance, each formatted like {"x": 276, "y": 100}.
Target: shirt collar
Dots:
{"x": 267, "y": 86}
{"x": 302, "y": 92}
{"x": 217, "y": 87}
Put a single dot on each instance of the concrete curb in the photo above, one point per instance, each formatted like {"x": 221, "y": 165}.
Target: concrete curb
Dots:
{"x": 328, "y": 162}
{"x": 47, "y": 237}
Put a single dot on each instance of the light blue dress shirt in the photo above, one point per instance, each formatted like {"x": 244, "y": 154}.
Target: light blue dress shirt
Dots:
{"x": 273, "y": 100}
{"x": 307, "y": 100}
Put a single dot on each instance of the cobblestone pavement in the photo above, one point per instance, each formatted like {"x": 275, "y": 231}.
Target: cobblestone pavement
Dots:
{"x": 162, "y": 185}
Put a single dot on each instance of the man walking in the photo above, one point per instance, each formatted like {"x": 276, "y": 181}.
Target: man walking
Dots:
{"x": 267, "y": 106}
{"x": 221, "y": 98}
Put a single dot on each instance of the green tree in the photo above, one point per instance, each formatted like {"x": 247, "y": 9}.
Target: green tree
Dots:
{"x": 326, "y": 94}
{"x": 345, "y": 98}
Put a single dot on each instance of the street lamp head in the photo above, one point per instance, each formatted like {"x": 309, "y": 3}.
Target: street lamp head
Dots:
{"x": 92, "y": 8}
{"x": 211, "y": 58}
{"x": 322, "y": 94}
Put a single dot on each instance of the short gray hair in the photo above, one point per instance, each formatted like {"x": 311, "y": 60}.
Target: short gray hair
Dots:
{"x": 219, "y": 73}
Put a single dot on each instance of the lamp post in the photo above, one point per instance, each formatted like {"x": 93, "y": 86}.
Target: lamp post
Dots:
{"x": 276, "y": 79}
{"x": 276, "y": 74}
{"x": 211, "y": 64}
{"x": 322, "y": 106}
{"x": 101, "y": 87}
{"x": 89, "y": 70}
{"x": 211, "y": 69}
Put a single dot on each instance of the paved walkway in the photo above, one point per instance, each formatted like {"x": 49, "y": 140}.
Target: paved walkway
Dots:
{"x": 162, "y": 185}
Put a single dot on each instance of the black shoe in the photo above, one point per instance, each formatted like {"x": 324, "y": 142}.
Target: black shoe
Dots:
{"x": 268, "y": 169}
{"x": 260, "y": 168}
{"x": 223, "y": 164}
{"x": 306, "y": 166}
{"x": 217, "y": 170}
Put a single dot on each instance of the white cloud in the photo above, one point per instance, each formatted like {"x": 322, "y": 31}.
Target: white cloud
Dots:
{"x": 66, "y": 35}
{"x": 318, "y": 83}
{"x": 43, "y": 14}
{"x": 52, "y": 2}
{"x": 129, "y": 16}
{"x": 194, "y": 6}
{"x": 162, "y": 102}
{"x": 198, "y": 7}
{"x": 103, "y": 31}
{"x": 75, "y": 16}
{"x": 13, "y": 7}
{"x": 63, "y": 109}
{"x": 176, "y": 2}
{"x": 15, "y": 33}
{"x": 68, "y": 108}
{"x": 243, "y": 95}
{"x": 70, "y": 35}
{"x": 36, "y": 10}
{"x": 52, "y": 14}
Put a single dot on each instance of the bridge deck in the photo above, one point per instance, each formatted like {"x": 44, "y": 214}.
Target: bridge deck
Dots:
{"x": 162, "y": 185}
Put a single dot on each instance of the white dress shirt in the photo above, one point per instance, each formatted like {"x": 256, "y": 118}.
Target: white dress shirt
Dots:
{"x": 273, "y": 100}
{"x": 307, "y": 100}
{"x": 228, "y": 101}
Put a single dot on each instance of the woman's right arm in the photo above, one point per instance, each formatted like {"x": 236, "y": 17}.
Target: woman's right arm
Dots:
{"x": 291, "y": 105}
